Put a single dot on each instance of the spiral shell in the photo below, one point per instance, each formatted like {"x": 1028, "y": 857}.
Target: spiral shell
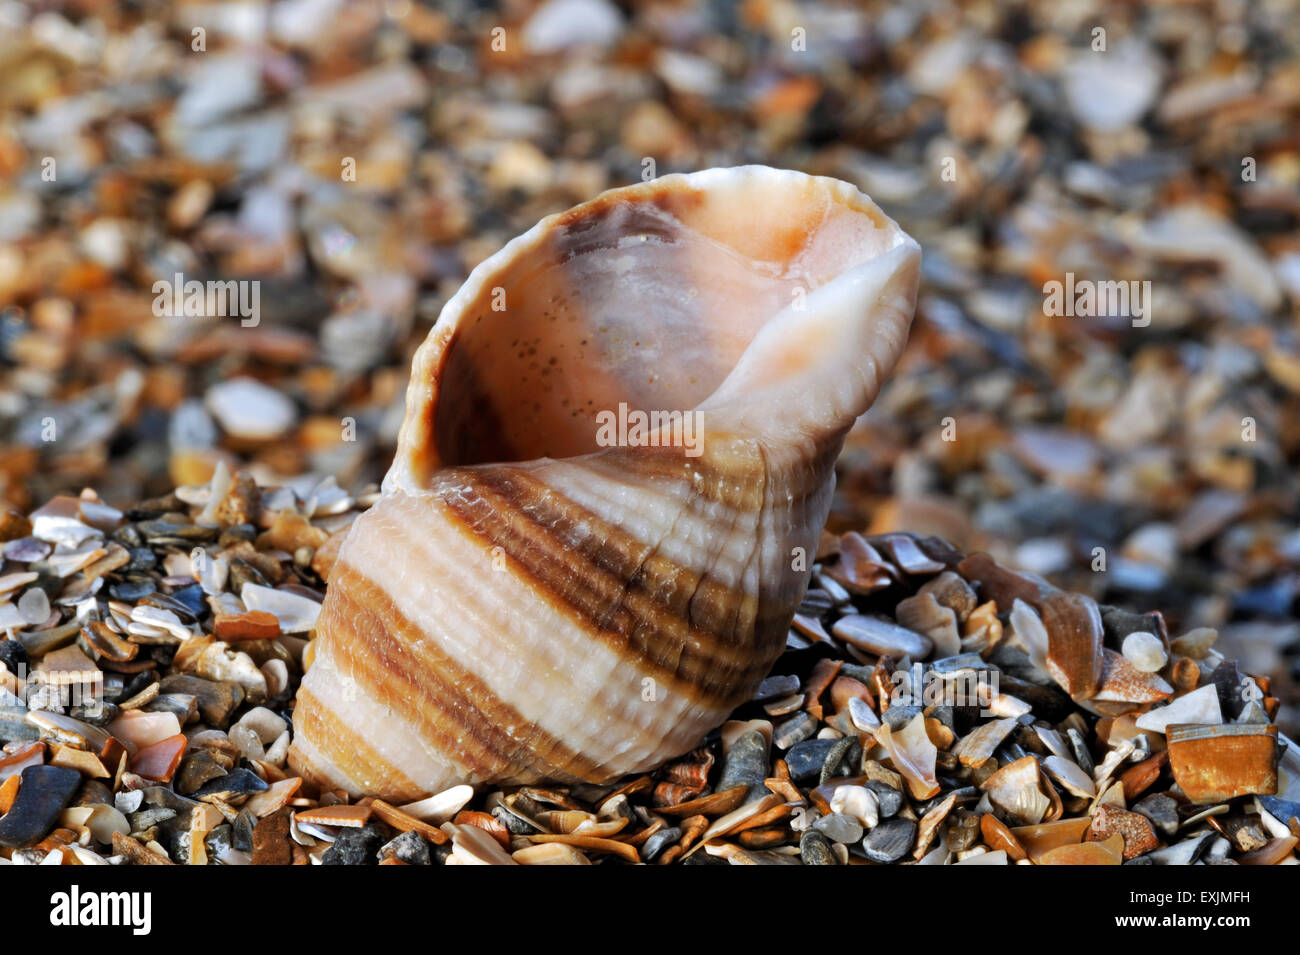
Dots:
{"x": 531, "y": 600}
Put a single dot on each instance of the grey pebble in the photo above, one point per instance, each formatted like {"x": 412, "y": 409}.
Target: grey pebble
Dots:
{"x": 355, "y": 847}
{"x": 805, "y": 759}
{"x": 889, "y": 798}
{"x": 410, "y": 847}
{"x": 890, "y": 841}
{"x": 776, "y": 686}
{"x": 746, "y": 764}
{"x": 839, "y": 828}
{"x": 815, "y": 849}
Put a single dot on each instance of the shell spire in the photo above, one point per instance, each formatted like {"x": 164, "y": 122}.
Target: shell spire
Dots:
{"x": 619, "y": 437}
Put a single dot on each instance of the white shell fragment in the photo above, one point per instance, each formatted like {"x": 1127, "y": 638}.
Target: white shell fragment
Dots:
{"x": 1145, "y": 651}
{"x": 297, "y": 614}
{"x": 1199, "y": 706}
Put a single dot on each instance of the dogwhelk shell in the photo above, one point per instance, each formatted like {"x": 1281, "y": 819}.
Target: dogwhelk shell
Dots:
{"x": 618, "y": 443}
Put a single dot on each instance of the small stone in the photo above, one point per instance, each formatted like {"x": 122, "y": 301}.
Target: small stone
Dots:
{"x": 1161, "y": 810}
{"x": 746, "y": 765}
{"x": 839, "y": 828}
{"x": 355, "y": 847}
{"x": 1107, "y": 92}
{"x": 999, "y": 838}
{"x": 34, "y": 606}
{"x": 815, "y": 849}
{"x": 198, "y": 768}
{"x": 1145, "y": 651}
{"x": 13, "y": 655}
{"x": 27, "y": 550}
{"x": 242, "y": 830}
{"x": 266, "y": 724}
{"x": 230, "y": 787}
{"x": 42, "y": 795}
{"x": 776, "y": 686}
{"x": 410, "y": 847}
{"x": 248, "y": 409}
{"x": 897, "y": 717}
{"x": 216, "y": 699}
{"x": 846, "y": 749}
{"x": 888, "y": 798}
{"x": 863, "y": 716}
{"x": 805, "y": 759}
{"x": 1139, "y": 836}
{"x": 890, "y": 841}
{"x": 271, "y": 844}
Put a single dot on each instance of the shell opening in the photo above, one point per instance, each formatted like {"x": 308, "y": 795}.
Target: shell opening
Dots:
{"x": 557, "y": 326}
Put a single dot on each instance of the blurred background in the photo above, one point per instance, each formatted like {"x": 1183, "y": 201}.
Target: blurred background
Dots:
{"x": 357, "y": 159}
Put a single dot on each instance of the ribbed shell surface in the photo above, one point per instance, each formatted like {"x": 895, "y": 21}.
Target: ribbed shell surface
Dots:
{"x": 591, "y": 616}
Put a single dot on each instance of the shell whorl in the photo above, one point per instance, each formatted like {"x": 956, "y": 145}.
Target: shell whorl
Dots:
{"x": 523, "y": 604}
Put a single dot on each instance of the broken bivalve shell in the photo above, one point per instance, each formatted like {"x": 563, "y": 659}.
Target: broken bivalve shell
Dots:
{"x": 1216, "y": 763}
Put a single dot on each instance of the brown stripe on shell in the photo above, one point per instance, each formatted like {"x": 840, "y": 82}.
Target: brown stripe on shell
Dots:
{"x": 618, "y": 601}
{"x": 450, "y": 708}
{"x": 710, "y": 607}
{"x": 348, "y": 753}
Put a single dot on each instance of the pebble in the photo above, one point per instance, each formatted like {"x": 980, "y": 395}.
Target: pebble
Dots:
{"x": 805, "y": 759}
{"x": 890, "y": 841}
{"x": 232, "y": 786}
{"x": 42, "y": 795}
{"x": 775, "y": 687}
{"x": 888, "y": 799}
{"x": 815, "y": 849}
{"x": 559, "y": 25}
{"x": 897, "y": 717}
{"x": 863, "y": 716}
{"x": 746, "y": 765}
{"x": 13, "y": 655}
{"x": 355, "y": 847}
{"x": 410, "y": 847}
{"x": 196, "y": 769}
{"x": 248, "y": 409}
{"x": 839, "y": 828}
{"x": 216, "y": 699}
{"x": 1112, "y": 89}
{"x": 271, "y": 844}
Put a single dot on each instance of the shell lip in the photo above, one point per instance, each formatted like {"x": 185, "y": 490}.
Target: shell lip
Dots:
{"x": 417, "y": 458}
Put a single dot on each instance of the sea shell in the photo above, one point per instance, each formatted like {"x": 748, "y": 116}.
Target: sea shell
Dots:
{"x": 527, "y": 602}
